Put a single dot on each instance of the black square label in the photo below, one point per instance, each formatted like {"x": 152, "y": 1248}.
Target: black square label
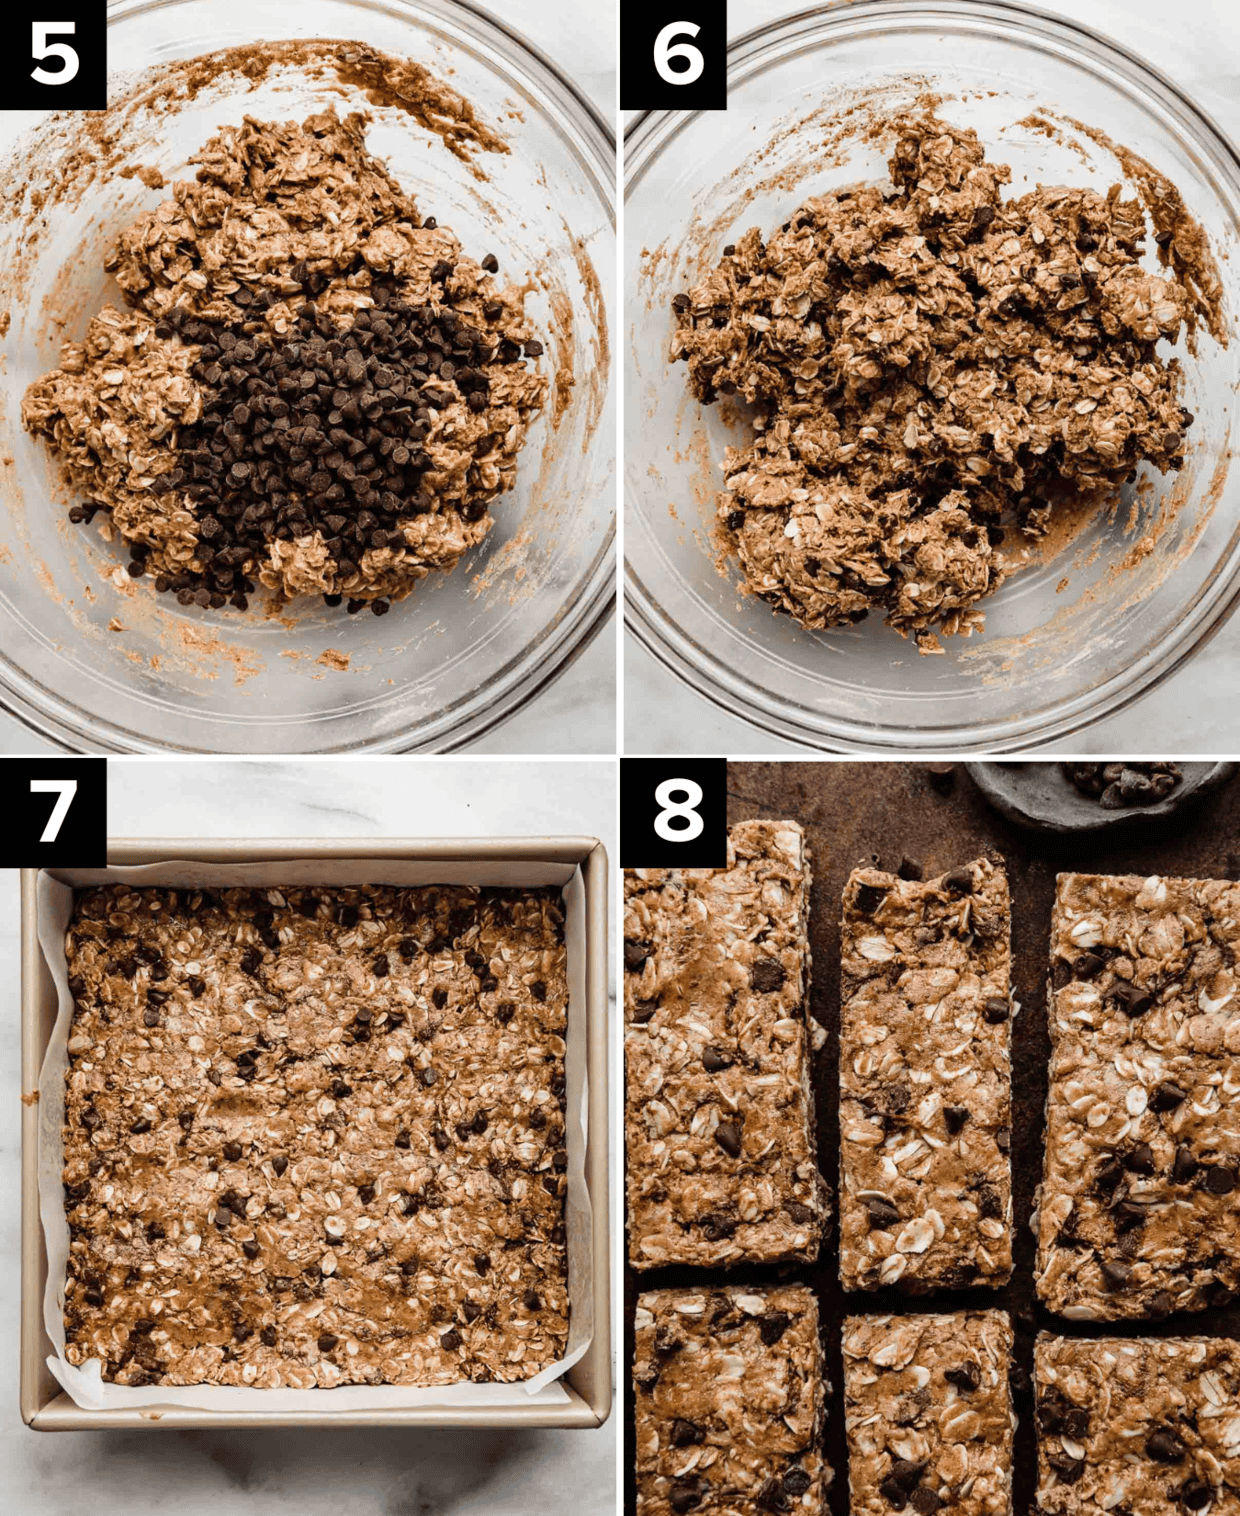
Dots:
{"x": 54, "y": 55}
{"x": 673, "y": 813}
{"x": 58, "y": 812}
{"x": 674, "y": 57}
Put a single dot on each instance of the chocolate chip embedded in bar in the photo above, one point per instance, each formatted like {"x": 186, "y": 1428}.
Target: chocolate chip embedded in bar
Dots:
{"x": 1145, "y": 1426}
{"x": 1138, "y": 1211}
{"x": 925, "y": 1080}
{"x": 928, "y": 1414}
{"x": 730, "y": 1398}
{"x": 718, "y": 1112}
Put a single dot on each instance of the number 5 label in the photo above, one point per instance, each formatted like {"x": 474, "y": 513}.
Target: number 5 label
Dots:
{"x": 41, "y": 47}
{"x": 680, "y": 64}
{"x": 55, "y": 56}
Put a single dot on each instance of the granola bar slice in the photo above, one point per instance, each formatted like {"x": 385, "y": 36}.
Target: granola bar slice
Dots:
{"x": 730, "y": 1402}
{"x": 928, "y": 1413}
{"x": 925, "y": 1080}
{"x": 1146, "y": 1426}
{"x": 719, "y": 1119}
{"x": 1138, "y": 1211}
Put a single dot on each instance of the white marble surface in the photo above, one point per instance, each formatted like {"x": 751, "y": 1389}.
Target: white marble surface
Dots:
{"x": 1196, "y": 44}
{"x": 576, "y": 713}
{"x": 301, "y": 1473}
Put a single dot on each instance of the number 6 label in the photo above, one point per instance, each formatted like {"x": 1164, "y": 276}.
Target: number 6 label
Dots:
{"x": 665, "y": 51}
{"x": 674, "y": 65}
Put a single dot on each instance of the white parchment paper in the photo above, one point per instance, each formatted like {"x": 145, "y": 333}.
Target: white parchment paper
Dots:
{"x": 85, "y": 1384}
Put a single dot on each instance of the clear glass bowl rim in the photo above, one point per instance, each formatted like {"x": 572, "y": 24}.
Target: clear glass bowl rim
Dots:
{"x": 676, "y": 650}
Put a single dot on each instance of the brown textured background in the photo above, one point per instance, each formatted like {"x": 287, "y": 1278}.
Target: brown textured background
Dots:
{"x": 856, "y": 812}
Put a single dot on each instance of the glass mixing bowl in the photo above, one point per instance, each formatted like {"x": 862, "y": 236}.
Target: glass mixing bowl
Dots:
{"x": 465, "y": 649}
{"x": 1070, "y": 638}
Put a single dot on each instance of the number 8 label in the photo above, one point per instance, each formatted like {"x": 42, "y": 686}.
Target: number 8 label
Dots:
{"x": 683, "y": 809}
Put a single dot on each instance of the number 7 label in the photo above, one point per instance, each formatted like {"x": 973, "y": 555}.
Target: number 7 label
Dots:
{"x": 57, "y": 811}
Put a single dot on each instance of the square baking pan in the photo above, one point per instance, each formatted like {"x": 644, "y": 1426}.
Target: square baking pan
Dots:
{"x": 47, "y": 1407}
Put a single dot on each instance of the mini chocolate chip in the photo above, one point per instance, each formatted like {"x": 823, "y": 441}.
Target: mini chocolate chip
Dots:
{"x": 715, "y": 1060}
{"x": 268, "y": 1337}
{"x": 796, "y": 1482}
{"x": 538, "y": 989}
{"x": 232, "y": 1151}
{"x": 1067, "y": 1469}
{"x": 955, "y": 1117}
{"x": 883, "y": 1214}
{"x": 471, "y": 1310}
{"x": 1116, "y": 1275}
{"x": 1185, "y": 1166}
{"x": 728, "y": 1136}
{"x": 766, "y": 975}
{"x": 686, "y": 1434}
{"x": 996, "y": 1011}
{"x": 439, "y": 998}
{"x": 403, "y": 1139}
{"x": 967, "y": 1377}
{"x": 870, "y": 897}
{"x": 450, "y": 1341}
{"x": 635, "y": 954}
{"x": 1167, "y": 1096}
{"x": 1220, "y": 1181}
{"x": 140, "y": 1126}
{"x": 340, "y": 1089}
{"x": 1195, "y": 1494}
{"x": 910, "y": 870}
{"x": 531, "y": 1300}
{"x": 924, "y": 1500}
{"x": 250, "y": 1248}
{"x": 1088, "y": 966}
{"x": 380, "y": 966}
{"x": 686, "y": 1493}
{"x": 772, "y": 1326}
{"x": 1165, "y": 1446}
{"x": 1140, "y": 1160}
{"x": 150, "y": 1017}
{"x": 279, "y": 1164}
{"x": 797, "y": 1212}
{"x": 365, "y": 1193}
{"x": 959, "y": 881}
{"x": 1132, "y": 1001}
{"x": 1160, "y": 1305}
{"x": 327, "y": 1342}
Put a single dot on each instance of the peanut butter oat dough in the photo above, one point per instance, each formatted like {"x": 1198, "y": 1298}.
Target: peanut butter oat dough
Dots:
{"x": 316, "y": 1137}
{"x": 316, "y": 389}
{"x": 931, "y": 367}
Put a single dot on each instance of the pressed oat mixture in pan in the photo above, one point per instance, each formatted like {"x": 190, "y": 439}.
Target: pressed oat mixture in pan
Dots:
{"x": 932, "y": 367}
{"x": 314, "y": 388}
{"x": 316, "y": 1136}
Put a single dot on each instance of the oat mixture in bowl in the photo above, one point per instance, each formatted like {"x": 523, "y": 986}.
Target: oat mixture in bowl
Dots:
{"x": 932, "y": 364}
{"x": 315, "y": 388}
{"x": 315, "y": 324}
{"x": 926, "y": 339}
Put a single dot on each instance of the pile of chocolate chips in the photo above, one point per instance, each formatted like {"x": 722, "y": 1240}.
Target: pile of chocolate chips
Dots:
{"x": 318, "y": 429}
{"x": 1116, "y": 785}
